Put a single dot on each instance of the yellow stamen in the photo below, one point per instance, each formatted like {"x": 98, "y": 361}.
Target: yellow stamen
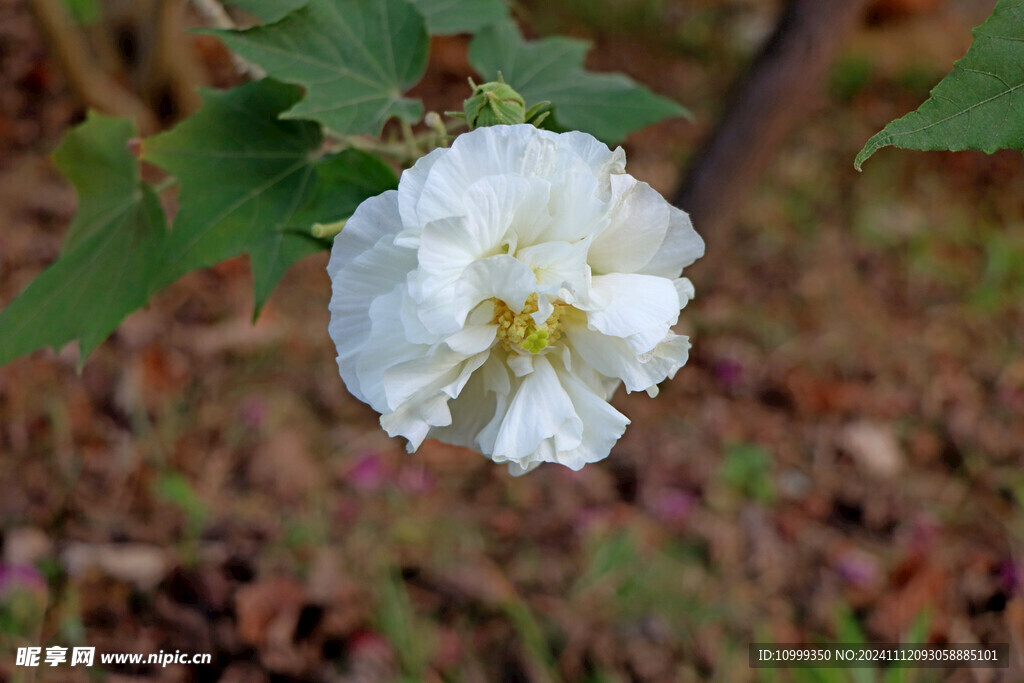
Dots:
{"x": 521, "y": 331}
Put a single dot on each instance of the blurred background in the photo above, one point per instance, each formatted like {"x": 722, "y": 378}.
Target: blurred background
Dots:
{"x": 840, "y": 461}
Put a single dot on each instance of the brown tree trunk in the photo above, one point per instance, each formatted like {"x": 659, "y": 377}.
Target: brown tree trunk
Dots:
{"x": 779, "y": 91}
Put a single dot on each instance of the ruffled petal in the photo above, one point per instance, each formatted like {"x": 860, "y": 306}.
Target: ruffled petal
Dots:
{"x": 451, "y": 245}
{"x": 603, "y": 162}
{"x": 638, "y": 224}
{"x": 472, "y": 339}
{"x": 419, "y": 391}
{"x": 611, "y": 356}
{"x": 682, "y": 246}
{"x": 410, "y": 187}
{"x": 364, "y": 265}
{"x": 604, "y": 425}
{"x": 490, "y": 207}
{"x": 472, "y": 410}
{"x": 558, "y": 265}
{"x": 386, "y": 346}
{"x": 490, "y": 151}
{"x": 539, "y": 410}
{"x": 374, "y": 218}
{"x": 574, "y": 211}
{"x": 435, "y": 369}
{"x": 496, "y": 204}
{"x": 685, "y": 290}
{"x": 638, "y": 308}
{"x": 501, "y": 277}
{"x": 579, "y": 425}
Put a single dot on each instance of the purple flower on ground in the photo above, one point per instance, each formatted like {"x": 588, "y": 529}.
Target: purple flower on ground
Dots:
{"x": 15, "y": 577}
{"x": 369, "y": 472}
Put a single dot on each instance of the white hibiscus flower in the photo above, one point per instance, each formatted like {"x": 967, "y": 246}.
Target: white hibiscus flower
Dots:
{"x": 501, "y": 295}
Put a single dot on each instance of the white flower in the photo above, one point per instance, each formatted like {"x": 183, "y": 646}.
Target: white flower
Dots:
{"x": 501, "y": 295}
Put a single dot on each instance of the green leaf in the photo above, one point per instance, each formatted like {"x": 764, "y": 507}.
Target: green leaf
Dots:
{"x": 980, "y": 105}
{"x": 609, "y": 106}
{"x": 343, "y": 181}
{"x": 252, "y": 183}
{"x": 84, "y": 12}
{"x": 355, "y": 58}
{"x": 447, "y": 17}
{"x": 116, "y": 244}
{"x": 268, "y": 10}
{"x": 96, "y": 159}
{"x": 176, "y": 489}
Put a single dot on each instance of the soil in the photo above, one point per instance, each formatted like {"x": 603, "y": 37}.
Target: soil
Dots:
{"x": 839, "y": 461}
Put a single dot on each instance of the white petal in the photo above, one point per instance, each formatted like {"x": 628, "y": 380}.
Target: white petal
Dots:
{"x": 438, "y": 368}
{"x": 495, "y": 150}
{"x": 496, "y": 379}
{"x": 639, "y": 221}
{"x": 501, "y": 277}
{"x": 414, "y": 420}
{"x": 482, "y": 314}
{"x": 496, "y": 204}
{"x": 374, "y": 218}
{"x": 470, "y": 411}
{"x": 544, "y": 309}
{"x": 410, "y": 187}
{"x": 490, "y": 207}
{"x": 364, "y": 265}
{"x": 517, "y": 470}
{"x": 611, "y": 356}
{"x": 497, "y": 382}
{"x": 602, "y": 161}
{"x": 540, "y": 410}
{"x": 419, "y": 391}
{"x": 548, "y": 155}
{"x": 472, "y": 339}
{"x": 488, "y": 435}
{"x": 637, "y": 308}
{"x": 685, "y": 290}
{"x": 604, "y": 424}
{"x": 575, "y": 210}
{"x": 442, "y": 260}
{"x": 445, "y": 250}
{"x": 415, "y": 330}
{"x": 385, "y": 347}
{"x": 682, "y": 247}
{"x": 455, "y": 387}
{"x": 521, "y": 364}
{"x": 557, "y": 265}
{"x": 371, "y": 274}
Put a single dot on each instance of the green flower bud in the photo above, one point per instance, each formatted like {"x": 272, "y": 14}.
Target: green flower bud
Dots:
{"x": 495, "y": 103}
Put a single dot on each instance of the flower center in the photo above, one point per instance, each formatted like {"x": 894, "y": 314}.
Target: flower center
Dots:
{"x": 520, "y": 331}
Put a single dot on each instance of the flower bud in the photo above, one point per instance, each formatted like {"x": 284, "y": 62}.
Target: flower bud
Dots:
{"x": 494, "y": 103}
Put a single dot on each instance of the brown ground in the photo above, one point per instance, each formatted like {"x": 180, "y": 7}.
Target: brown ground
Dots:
{"x": 840, "y": 459}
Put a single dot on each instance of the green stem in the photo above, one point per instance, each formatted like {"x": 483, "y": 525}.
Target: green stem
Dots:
{"x": 398, "y": 152}
{"x": 411, "y": 144}
{"x": 328, "y": 230}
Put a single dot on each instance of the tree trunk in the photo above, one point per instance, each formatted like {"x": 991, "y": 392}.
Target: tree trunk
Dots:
{"x": 779, "y": 92}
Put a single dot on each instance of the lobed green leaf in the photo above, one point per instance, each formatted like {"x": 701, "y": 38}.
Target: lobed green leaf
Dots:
{"x": 354, "y": 58}
{"x": 113, "y": 249}
{"x": 609, "y": 106}
{"x": 980, "y": 105}
{"x": 447, "y": 17}
{"x": 254, "y": 183}
{"x": 268, "y": 10}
